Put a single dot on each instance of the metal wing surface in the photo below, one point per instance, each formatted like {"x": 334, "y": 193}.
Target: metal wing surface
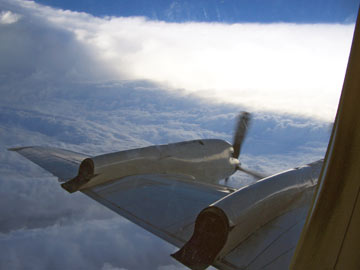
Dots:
{"x": 165, "y": 205}
{"x": 168, "y": 206}
{"x": 61, "y": 163}
{"x": 271, "y": 247}
{"x": 256, "y": 227}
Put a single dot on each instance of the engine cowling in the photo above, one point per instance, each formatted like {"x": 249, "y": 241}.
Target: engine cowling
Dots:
{"x": 204, "y": 160}
{"x": 222, "y": 226}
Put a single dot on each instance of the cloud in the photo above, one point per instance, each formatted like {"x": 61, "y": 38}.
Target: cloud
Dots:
{"x": 79, "y": 245}
{"x": 292, "y": 68}
{"x": 97, "y": 85}
{"x": 8, "y": 17}
{"x": 108, "y": 266}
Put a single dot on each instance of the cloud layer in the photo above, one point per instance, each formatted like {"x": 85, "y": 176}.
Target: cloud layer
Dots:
{"x": 281, "y": 67}
{"x": 97, "y": 85}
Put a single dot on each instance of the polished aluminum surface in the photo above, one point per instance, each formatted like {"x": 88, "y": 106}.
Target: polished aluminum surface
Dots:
{"x": 165, "y": 205}
{"x": 204, "y": 160}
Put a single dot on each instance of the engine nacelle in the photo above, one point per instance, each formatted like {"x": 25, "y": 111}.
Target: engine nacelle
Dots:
{"x": 222, "y": 226}
{"x": 203, "y": 160}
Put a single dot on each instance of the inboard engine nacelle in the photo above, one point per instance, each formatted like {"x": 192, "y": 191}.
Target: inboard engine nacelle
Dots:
{"x": 223, "y": 225}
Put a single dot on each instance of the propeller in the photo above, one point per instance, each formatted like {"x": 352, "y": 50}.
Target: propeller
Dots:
{"x": 242, "y": 126}
{"x": 256, "y": 175}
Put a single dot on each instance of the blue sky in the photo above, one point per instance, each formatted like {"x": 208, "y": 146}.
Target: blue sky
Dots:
{"x": 305, "y": 11}
{"x": 96, "y": 85}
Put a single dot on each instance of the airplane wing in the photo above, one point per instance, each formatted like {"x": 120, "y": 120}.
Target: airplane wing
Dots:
{"x": 256, "y": 227}
{"x": 165, "y": 205}
{"x": 168, "y": 206}
{"x": 61, "y": 163}
{"x": 271, "y": 246}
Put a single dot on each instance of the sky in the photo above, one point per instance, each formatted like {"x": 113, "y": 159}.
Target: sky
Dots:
{"x": 98, "y": 79}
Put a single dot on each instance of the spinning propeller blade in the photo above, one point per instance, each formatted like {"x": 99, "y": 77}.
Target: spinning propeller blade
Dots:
{"x": 242, "y": 127}
{"x": 240, "y": 132}
{"x": 252, "y": 173}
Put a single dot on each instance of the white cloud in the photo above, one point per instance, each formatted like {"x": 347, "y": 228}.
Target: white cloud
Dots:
{"x": 108, "y": 266}
{"x": 8, "y": 17}
{"x": 96, "y": 244}
{"x": 279, "y": 67}
{"x": 290, "y": 68}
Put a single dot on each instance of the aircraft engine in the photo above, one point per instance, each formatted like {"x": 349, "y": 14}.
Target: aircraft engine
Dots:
{"x": 223, "y": 225}
{"x": 204, "y": 160}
